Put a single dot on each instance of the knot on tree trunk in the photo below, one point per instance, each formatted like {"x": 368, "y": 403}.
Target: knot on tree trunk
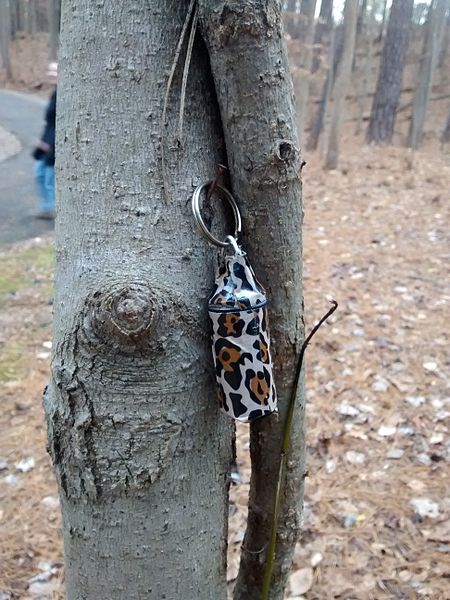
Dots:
{"x": 125, "y": 314}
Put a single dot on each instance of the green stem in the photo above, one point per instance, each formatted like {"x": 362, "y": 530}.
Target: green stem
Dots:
{"x": 286, "y": 440}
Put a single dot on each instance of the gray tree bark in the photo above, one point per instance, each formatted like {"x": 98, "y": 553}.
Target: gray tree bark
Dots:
{"x": 31, "y": 17}
{"x": 445, "y": 137}
{"x": 140, "y": 450}
{"x": 341, "y": 83}
{"x": 291, "y": 18}
{"x": 319, "y": 117}
{"x": 5, "y": 37}
{"x": 302, "y": 81}
{"x": 54, "y": 18}
{"x": 388, "y": 89}
{"x": 427, "y": 68}
{"x": 445, "y": 40}
{"x": 322, "y": 33}
{"x": 254, "y": 90}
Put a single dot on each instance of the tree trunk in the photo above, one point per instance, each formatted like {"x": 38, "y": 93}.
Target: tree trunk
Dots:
{"x": 322, "y": 33}
{"x": 54, "y": 18}
{"x": 140, "y": 449}
{"x": 31, "y": 17}
{"x": 341, "y": 83}
{"x": 445, "y": 138}
{"x": 430, "y": 55}
{"x": 306, "y": 9}
{"x": 291, "y": 18}
{"x": 319, "y": 118}
{"x": 5, "y": 37}
{"x": 363, "y": 74}
{"x": 265, "y": 164}
{"x": 445, "y": 41}
{"x": 388, "y": 89}
{"x": 304, "y": 69}
{"x": 362, "y": 9}
{"x": 383, "y": 22}
{"x": 13, "y": 15}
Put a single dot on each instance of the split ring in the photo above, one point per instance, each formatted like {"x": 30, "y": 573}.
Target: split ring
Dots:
{"x": 226, "y": 195}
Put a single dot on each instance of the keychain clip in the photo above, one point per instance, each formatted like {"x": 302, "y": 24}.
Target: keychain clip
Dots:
{"x": 226, "y": 195}
{"x": 238, "y": 315}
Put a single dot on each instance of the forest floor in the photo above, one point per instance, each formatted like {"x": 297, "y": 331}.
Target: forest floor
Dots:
{"x": 377, "y": 503}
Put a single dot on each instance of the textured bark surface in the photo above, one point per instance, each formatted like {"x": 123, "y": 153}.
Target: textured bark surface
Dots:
{"x": 322, "y": 33}
{"x": 387, "y": 92}
{"x": 291, "y": 8}
{"x": 341, "y": 83}
{"x": 140, "y": 448}
{"x": 54, "y": 18}
{"x": 5, "y": 37}
{"x": 318, "y": 120}
{"x": 254, "y": 90}
{"x": 304, "y": 65}
{"x": 428, "y": 63}
{"x": 445, "y": 137}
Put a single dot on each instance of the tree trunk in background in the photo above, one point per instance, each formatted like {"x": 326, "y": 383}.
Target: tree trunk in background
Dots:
{"x": 54, "y": 18}
{"x": 304, "y": 68}
{"x": 445, "y": 138}
{"x": 362, "y": 9}
{"x": 363, "y": 76}
{"x": 383, "y": 21}
{"x": 341, "y": 83}
{"x": 428, "y": 63}
{"x": 319, "y": 118}
{"x": 140, "y": 448}
{"x": 5, "y": 37}
{"x": 291, "y": 18}
{"x": 258, "y": 116}
{"x": 393, "y": 59}
{"x": 13, "y": 15}
{"x": 31, "y": 17}
{"x": 322, "y": 33}
{"x": 445, "y": 41}
{"x": 305, "y": 18}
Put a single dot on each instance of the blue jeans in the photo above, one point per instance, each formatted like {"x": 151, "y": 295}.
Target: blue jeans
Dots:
{"x": 45, "y": 179}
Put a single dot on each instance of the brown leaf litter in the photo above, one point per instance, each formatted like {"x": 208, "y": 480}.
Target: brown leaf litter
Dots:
{"x": 376, "y": 518}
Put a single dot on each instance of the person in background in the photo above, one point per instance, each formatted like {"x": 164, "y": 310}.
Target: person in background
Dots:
{"x": 44, "y": 153}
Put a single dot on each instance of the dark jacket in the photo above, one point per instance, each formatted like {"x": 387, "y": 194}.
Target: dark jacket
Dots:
{"x": 48, "y": 135}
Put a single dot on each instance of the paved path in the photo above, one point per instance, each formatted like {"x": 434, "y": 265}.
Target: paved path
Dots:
{"x": 22, "y": 115}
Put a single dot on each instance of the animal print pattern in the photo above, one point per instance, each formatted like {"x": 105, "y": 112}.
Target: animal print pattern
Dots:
{"x": 241, "y": 343}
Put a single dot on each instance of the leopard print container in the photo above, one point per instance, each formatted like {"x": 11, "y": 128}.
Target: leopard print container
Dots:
{"x": 241, "y": 344}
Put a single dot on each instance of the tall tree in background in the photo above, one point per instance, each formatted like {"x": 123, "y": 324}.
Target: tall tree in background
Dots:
{"x": 322, "y": 33}
{"x": 364, "y": 67}
{"x": 140, "y": 449}
{"x": 54, "y": 18}
{"x": 305, "y": 63}
{"x": 445, "y": 137}
{"x": 5, "y": 37}
{"x": 445, "y": 40}
{"x": 319, "y": 118}
{"x": 430, "y": 55}
{"x": 291, "y": 18}
{"x": 387, "y": 92}
{"x": 341, "y": 84}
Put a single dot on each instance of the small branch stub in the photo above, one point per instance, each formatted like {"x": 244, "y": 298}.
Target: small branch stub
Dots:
{"x": 124, "y": 314}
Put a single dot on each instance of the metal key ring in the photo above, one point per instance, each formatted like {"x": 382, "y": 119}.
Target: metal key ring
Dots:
{"x": 198, "y": 217}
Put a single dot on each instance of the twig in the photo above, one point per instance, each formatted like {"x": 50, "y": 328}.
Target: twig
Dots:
{"x": 270, "y": 558}
{"x": 187, "y": 63}
{"x": 166, "y": 96}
